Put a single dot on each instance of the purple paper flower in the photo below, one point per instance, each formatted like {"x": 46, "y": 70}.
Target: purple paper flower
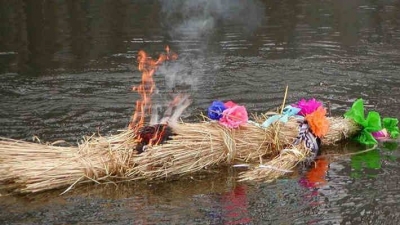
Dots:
{"x": 381, "y": 135}
{"x": 215, "y": 110}
{"x": 307, "y": 107}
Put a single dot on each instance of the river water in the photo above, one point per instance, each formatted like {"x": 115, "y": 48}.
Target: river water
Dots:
{"x": 67, "y": 69}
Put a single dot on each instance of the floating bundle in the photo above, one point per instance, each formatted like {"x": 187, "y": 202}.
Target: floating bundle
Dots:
{"x": 32, "y": 167}
{"x": 270, "y": 145}
{"x": 196, "y": 146}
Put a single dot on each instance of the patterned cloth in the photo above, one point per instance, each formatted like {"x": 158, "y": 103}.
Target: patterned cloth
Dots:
{"x": 310, "y": 140}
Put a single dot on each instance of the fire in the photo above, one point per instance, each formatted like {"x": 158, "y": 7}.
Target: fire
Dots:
{"x": 148, "y": 67}
{"x": 154, "y": 134}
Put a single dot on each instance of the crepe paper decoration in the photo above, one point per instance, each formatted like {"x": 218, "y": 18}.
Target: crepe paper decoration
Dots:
{"x": 370, "y": 124}
{"x": 215, "y": 110}
{"x": 373, "y": 121}
{"x": 228, "y": 114}
{"x": 307, "y": 107}
{"x": 234, "y": 117}
{"x": 390, "y": 129}
{"x": 229, "y": 104}
{"x": 287, "y": 112}
{"x": 391, "y": 125}
{"x": 318, "y": 122}
{"x": 366, "y": 138}
{"x": 381, "y": 135}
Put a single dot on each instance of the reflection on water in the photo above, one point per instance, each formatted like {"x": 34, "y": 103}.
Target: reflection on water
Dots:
{"x": 67, "y": 67}
{"x": 48, "y": 37}
{"x": 316, "y": 175}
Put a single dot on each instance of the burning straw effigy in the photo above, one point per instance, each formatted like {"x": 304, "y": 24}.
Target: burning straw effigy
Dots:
{"x": 269, "y": 145}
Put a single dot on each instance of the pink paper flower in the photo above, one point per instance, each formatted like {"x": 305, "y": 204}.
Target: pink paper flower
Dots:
{"x": 230, "y": 104}
{"x": 234, "y": 117}
{"x": 307, "y": 107}
{"x": 381, "y": 135}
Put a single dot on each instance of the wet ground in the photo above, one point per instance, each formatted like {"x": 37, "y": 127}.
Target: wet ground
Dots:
{"x": 66, "y": 70}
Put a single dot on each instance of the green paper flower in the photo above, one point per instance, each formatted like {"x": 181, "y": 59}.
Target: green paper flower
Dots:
{"x": 370, "y": 124}
{"x": 373, "y": 122}
{"x": 390, "y": 124}
{"x": 356, "y": 112}
{"x": 366, "y": 138}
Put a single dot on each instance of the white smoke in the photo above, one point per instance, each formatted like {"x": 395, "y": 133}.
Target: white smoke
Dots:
{"x": 198, "y": 18}
{"x": 192, "y": 24}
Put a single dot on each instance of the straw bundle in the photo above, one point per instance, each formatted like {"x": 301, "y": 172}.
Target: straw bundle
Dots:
{"x": 339, "y": 130}
{"x": 34, "y": 167}
{"x": 202, "y": 145}
{"x": 279, "y": 166}
{"x": 198, "y": 146}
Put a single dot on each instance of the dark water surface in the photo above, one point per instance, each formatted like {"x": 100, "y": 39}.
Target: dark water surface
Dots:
{"x": 67, "y": 68}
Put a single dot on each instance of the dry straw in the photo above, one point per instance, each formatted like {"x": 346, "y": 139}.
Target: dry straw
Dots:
{"x": 33, "y": 167}
{"x": 339, "y": 130}
{"x": 197, "y": 146}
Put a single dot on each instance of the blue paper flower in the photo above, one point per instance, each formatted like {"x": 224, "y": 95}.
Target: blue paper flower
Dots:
{"x": 215, "y": 110}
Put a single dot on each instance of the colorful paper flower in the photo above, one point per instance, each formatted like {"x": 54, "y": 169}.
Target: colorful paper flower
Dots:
{"x": 373, "y": 128}
{"x": 234, "y": 117}
{"x": 370, "y": 124}
{"x": 391, "y": 125}
{"x": 318, "y": 122}
{"x": 307, "y": 107}
{"x": 381, "y": 135}
{"x": 215, "y": 110}
{"x": 230, "y": 104}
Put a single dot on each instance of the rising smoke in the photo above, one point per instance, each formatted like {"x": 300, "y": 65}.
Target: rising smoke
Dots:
{"x": 193, "y": 24}
{"x": 199, "y": 18}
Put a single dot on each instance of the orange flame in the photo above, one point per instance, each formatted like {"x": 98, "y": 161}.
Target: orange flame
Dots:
{"x": 148, "y": 67}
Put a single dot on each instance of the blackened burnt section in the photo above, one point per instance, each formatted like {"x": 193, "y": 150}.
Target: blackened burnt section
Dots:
{"x": 154, "y": 135}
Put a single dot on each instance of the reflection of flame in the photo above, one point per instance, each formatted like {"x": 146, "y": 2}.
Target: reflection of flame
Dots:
{"x": 148, "y": 67}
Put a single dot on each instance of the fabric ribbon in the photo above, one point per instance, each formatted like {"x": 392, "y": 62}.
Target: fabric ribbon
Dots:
{"x": 310, "y": 140}
{"x": 287, "y": 112}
